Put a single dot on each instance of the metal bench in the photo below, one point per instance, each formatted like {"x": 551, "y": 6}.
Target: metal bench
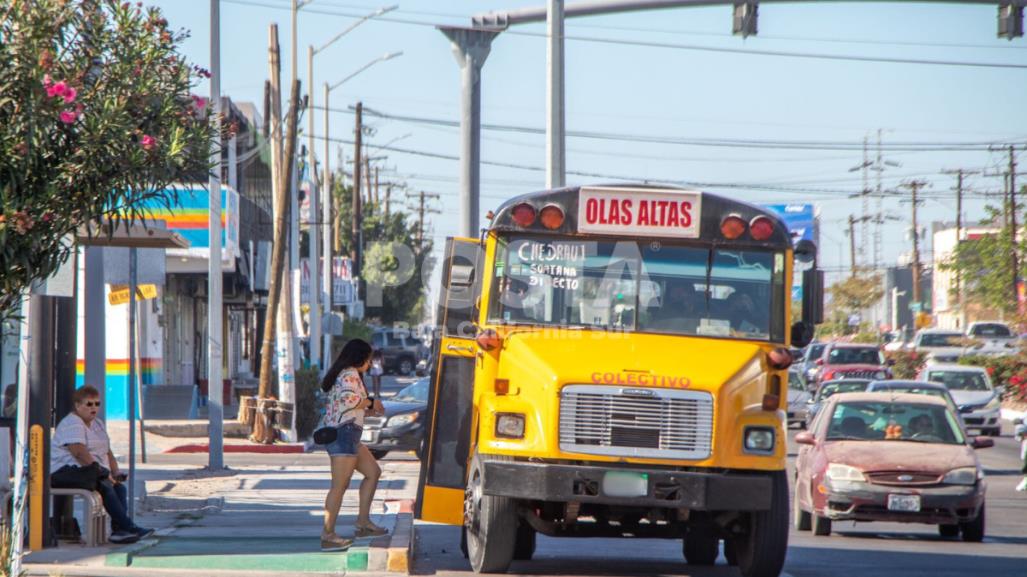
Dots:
{"x": 96, "y": 516}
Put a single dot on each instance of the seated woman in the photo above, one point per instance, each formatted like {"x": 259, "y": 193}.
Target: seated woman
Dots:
{"x": 80, "y": 454}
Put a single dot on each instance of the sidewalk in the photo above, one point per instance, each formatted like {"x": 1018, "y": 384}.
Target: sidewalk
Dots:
{"x": 253, "y": 520}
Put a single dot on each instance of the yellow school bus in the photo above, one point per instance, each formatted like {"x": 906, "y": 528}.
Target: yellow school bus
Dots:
{"x": 610, "y": 361}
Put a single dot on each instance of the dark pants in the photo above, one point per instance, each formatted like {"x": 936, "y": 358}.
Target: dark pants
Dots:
{"x": 115, "y": 500}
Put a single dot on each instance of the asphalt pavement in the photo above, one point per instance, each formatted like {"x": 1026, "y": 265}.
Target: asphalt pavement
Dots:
{"x": 853, "y": 550}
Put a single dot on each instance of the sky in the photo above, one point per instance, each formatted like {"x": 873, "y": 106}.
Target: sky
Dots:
{"x": 927, "y": 75}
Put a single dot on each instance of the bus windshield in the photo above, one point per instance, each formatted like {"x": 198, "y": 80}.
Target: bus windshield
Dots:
{"x": 643, "y": 286}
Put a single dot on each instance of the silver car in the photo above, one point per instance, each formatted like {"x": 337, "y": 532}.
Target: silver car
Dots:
{"x": 798, "y": 399}
{"x": 979, "y": 401}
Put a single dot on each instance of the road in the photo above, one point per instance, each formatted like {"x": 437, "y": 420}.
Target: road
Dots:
{"x": 877, "y": 549}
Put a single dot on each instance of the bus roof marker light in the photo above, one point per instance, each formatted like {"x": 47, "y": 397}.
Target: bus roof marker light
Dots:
{"x": 732, "y": 227}
{"x": 761, "y": 228}
{"x": 523, "y": 215}
{"x": 551, "y": 216}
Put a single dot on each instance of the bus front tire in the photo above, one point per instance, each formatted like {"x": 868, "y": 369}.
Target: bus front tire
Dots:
{"x": 761, "y": 552}
{"x": 524, "y": 547}
{"x": 700, "y": 547}
{"x": 490, "y": 522}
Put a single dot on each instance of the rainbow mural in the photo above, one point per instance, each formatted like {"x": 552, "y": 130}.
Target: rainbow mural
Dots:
{"x": 191, "y": 217}
{"x": 116, "y": 397}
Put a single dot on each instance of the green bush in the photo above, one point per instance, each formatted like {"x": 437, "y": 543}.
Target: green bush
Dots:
{"x": 907, "y": 364}
{"x": 308, "y": 409}
{"x": 1009, "y": 371}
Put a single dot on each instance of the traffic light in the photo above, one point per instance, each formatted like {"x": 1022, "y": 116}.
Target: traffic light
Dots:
{"x": 1010, "y": 21}
{"x": 744, "y": 23}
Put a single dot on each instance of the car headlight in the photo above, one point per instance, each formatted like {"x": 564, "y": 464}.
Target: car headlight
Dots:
{"x": 759, "y": 440}
{"x": 839, "y": 472}
{"x": 880, "y": 375}
{"x": 963, "y": 476}
{"x": 402, "y": 419}
{"x": 510, "y": 425}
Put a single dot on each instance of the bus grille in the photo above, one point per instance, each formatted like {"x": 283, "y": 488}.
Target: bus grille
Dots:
{"x": 636, "y": 422}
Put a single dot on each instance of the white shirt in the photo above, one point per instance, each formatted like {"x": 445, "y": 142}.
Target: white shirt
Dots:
{"x": 73, "y": 430}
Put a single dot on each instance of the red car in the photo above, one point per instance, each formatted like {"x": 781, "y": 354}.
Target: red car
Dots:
{"x": 852, "y": 361}
{"x": 889, "y": 457}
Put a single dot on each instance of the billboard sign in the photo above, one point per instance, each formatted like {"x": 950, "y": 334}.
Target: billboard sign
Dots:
{"x": 801, "y": 221}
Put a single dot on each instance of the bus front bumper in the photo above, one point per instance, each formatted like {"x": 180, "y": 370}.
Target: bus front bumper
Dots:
{"x": 700, "y": 491}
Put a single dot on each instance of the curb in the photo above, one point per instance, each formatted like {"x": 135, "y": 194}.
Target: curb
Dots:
{"x": 122, "y": 557}
{"x": 391, "y": 554}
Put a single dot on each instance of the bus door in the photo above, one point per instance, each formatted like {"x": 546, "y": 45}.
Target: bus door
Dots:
{"x": 440, "y": 492}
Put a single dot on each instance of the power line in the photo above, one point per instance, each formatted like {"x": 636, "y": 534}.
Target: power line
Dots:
{"x": 671, "y": 45}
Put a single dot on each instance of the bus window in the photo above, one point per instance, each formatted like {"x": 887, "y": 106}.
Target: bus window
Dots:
{"x": 640, "y": 286}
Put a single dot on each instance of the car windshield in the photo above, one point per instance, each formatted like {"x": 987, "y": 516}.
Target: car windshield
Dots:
{"x": 940, "y": 339}
{"x": 899, "y": 421}
{"x": 815, "y": 351}
{"x": 991, "y": 330}
{"x": 640, "y": 286}
{"x": 829, "y": 388}
{"x": 417, "y": 392}
{"x": 855, "y": 356}
{"x": 960, "y": 380}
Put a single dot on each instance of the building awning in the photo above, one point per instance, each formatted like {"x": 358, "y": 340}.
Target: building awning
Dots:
{"x": 129, "y": 235}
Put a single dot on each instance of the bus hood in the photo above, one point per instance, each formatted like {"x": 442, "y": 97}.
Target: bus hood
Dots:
{"x": 627, "y": 360}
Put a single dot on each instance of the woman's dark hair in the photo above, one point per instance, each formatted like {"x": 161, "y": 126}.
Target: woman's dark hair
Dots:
{"x": 355, "y": 353}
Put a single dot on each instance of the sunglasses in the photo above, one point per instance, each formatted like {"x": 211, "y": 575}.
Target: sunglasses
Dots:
{"x": 92, "y": 403}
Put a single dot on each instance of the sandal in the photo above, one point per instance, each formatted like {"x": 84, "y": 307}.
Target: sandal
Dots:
{"x": 333, "y": 542}
{"x": 369, "y": 529}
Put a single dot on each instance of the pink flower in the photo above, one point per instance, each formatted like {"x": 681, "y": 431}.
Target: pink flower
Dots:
{"x": 69, "y": 95}
{"x": 148, "y": 142}
{"x": 68, "y": 116}
{"x": 59, "y": 89}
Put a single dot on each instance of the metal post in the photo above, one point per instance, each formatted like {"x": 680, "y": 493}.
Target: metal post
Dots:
{"x": 21, "y": 444}
{"x": 471, "y": 48}
{"x": 96, "y": 331}
{"x": 214, "y": 338}
{"x": 40, "y": 384}
{"x": 555, "y": 144}
{"x": 132, "y": 285}
{"x": 356, "y": 207}
{"x": 312, "y": 230}
{"x": 326, "y": 223}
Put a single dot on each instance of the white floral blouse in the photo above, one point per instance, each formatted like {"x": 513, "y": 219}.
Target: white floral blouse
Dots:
{"x": 348, "y": 392}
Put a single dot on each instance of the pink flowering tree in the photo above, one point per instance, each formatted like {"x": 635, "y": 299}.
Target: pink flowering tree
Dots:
{"x": 97, "y": 121}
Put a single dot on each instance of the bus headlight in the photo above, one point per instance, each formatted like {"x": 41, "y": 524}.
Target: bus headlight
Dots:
{"x": 510, "y": 425}
{"x": 759, "y": 440}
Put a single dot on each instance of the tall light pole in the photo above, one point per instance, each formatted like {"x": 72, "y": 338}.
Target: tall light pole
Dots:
{"x": 555, "y": 149}
{"x": 214, "y": 337}
{"x": 326, "y": 279}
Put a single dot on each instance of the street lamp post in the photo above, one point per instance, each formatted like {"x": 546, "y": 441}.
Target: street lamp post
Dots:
{"x": 325, "y": 292}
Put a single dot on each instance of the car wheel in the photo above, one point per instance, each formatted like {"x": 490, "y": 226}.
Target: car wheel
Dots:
{"x": 948, "y": 530}
{"x": 973, "y": 531}
{"x": 821, "y": 526}
{"x": 406, "y": 367}
{"x": 761, "y": 551}
{"x": 490, "y": 522}
{"x": 700, "y": 546}
{"x": 801, "y": 519}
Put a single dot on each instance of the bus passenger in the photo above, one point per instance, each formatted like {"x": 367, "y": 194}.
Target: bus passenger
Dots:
{"x": 679, "y": 310}
{"x": 743, "y": 315}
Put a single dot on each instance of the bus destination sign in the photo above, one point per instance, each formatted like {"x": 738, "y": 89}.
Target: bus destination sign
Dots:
{"x": 639, "y": 212}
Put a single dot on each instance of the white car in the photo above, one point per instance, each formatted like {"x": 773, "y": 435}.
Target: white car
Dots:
{"x": 798, "y": 399}
{"x": 992, "y": 338}
{"x": 940, "y": 345}
{"x": 971, "y": 388}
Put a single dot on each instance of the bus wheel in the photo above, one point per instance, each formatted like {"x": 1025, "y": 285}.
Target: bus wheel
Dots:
{"x": 761, "y": 553}
{"x": 490, "y": 522}
{"x": 463, "y": 542}
{"x": 524, "y": 547}
{"x": 700, "y": 547}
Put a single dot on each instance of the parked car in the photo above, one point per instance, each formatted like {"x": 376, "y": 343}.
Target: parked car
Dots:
{"x": 980, "y": 402}
{"x": 852, "y": 361}
{"x": 401, "y": 428}
{"x": 940, "y": 345}
{"x": 896, "y": 340}
{"x": 889, "y": 457}
{"x": 915, "y": 388}
{"x": 798, "y": 399}
{"x": 827, "y": 389}
{"x": 992, "y": 338}
{"x": 400, "y": 350}
{"x": 808, "y": 366}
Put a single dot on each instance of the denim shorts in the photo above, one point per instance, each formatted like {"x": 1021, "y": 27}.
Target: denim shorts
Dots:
{"x": 346, "y": 442}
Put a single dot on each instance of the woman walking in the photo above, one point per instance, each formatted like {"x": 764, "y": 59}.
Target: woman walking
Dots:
{"x": 347, "y": 404}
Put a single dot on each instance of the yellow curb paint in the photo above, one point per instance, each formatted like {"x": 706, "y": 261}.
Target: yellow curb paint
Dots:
{"x": 399, "y": 561}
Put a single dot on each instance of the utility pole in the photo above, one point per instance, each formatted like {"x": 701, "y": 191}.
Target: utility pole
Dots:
{"x": 215, "y": 391}
{"x": 1013, "y": 257}
{"x": 556, "y": 157}
{"x": 961, "y": 175}
{"x": 313, "y": 234}
{"x": 326, "y": 232}
{"x": 367, "y": 179}
{"x": 388, "y": 199}
{"x": 421, "y": 212}
{"x": 852, "y": 246}
{"x": 914, "y": 186}
{"x": 377, "y": 198}
{"x": 865, "y": 226}
{"x": 357, "y": 218}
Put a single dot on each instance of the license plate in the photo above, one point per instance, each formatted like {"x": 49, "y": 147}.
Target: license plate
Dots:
{"x": 367, "y": 436}
{"x": 625, "y": 484}
{"x": 905, "y": 503}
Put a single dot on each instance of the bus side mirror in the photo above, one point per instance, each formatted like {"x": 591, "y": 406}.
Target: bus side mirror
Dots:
{"x": 802, "y": 334}
{"x": 813, "y": 296}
